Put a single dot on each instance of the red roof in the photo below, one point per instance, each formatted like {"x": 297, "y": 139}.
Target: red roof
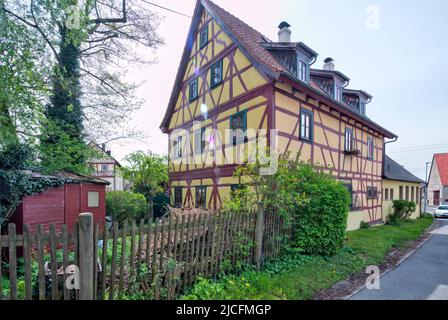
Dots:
{"x": 441, "y": 161}
{"x": 247, "y": 36}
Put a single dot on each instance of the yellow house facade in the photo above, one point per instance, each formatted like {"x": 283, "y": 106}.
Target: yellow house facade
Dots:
{"x": 235, "y": 87}
{"x": 400, "y": 184}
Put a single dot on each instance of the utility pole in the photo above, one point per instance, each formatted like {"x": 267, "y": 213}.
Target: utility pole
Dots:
{"x": 426, "y": 188}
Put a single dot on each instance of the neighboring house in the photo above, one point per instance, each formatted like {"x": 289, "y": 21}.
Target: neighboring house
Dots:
{"x": 400, "y": 184}
{"x": 233, "y": 77}
{"x": 106, "y": 168}
{"x": 62, "y": 205}
{"x": 438, "y": 180}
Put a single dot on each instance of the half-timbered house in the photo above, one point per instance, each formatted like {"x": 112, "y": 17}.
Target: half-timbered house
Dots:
{"x": 232, "y": 77}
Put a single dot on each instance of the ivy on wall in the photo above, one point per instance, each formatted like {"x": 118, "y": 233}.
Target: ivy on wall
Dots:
{"x": 16, "y": 182}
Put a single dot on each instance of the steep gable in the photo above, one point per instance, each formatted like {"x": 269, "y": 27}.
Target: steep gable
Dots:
{"x": 251, "y": 62}
{"x": 441, "y": 160}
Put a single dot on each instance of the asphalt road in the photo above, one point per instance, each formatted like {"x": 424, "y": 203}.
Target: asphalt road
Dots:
{"x": 423, "y": 276}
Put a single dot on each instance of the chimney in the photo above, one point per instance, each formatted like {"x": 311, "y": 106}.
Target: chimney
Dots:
{"x": 284, "y": 35}
{"x": 329, "y": 64}
{"x": 108, "y": 152}
{"x": 103, "y": 147}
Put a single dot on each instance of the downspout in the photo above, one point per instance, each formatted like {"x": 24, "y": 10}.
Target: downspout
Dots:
{"x": 384, "y": 152}
{"x": 382, "y": 170}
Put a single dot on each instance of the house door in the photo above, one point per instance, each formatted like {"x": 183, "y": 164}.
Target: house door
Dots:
{"x": 436, "y": 198}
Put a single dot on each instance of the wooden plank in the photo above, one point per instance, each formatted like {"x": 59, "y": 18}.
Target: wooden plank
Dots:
{"x": 192, "y": 247}
{"x": 12, "y": 262}
{"x": 141, "y": 232}
{"x": 123, "y": 259}
{"x": 40, "y": 261}
{"x": 170, "y": 246}
{"x": 149, "y": 233}
{"x": 132, "y": 258}
{"x": 54, "y": 264}
{"x": 162, "y": 244}
{"x": 184, "y": 250}
{"x": 86, "y": 256}
{"x": 203, "y": 243}
{"x": 197, "y": 251}
{"x": 27, "y": 263}
{"x": 96, "y": 232}
{"x": 76, "y": 249}
{"x": 154, "y": 254}
{"x": 65, "y": 262}
{"x": 114, "y": 261}
{"x": 104, "y": 262}
{"x": 210, "y": 251}
{"x": 176, "y": 238}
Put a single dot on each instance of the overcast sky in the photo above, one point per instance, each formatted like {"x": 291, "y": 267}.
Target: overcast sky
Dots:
{"x": 399, "y": 58}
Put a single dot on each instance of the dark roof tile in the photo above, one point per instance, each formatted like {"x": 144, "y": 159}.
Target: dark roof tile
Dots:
{"x": 394, "y": 171}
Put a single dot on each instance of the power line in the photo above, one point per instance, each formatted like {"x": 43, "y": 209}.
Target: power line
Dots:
{"x": 167, "y": 9}
{"x": 420, "y": 148}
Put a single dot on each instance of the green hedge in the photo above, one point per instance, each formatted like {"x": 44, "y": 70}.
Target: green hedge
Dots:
{"x": 122, "y": 205}
{"x": 321, "y": 219}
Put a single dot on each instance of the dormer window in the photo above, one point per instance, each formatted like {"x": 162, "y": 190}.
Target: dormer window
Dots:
{"x": 362, "y": 108}
{"x": 303, "y": 71}
{"x": 338, "y": 92}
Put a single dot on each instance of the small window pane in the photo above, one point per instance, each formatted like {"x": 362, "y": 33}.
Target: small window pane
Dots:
{"x": 216, "y": 74}
{"x": 203, "y": 38}
{"x": 93, "y": 199}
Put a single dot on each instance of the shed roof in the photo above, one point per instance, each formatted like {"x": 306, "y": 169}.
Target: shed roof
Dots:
{"x": 70, "y": 177}
{"x": 395, "y": 171}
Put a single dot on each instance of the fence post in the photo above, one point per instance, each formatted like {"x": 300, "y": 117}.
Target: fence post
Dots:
{"x": 86, "y": 256}
{"x": 259, "y": 236}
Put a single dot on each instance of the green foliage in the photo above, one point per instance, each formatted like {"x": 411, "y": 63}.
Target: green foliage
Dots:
{"x": 15, "y": 184}
{"x": 364, "y": 225}
{"x": 22, "y": 83}
{"x": 402, "y": 210}
{"x": 148, "y": 173}
{"x": 124, "y": 205}
{"x": 315, "y": 202}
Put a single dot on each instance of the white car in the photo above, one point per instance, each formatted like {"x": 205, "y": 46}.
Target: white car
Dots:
{"x": 442, "y": 212}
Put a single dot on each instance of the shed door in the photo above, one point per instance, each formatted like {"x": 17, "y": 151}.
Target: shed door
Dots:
{"x": 436, "y": 198}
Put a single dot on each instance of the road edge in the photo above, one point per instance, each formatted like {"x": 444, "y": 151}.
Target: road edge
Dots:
{"x": 433, "y": 227}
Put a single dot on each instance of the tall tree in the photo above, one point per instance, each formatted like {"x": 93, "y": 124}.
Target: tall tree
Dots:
{"x": 148, "y": 174}
{"x": 89, "y": 41}
{"x": 22, "y": 81}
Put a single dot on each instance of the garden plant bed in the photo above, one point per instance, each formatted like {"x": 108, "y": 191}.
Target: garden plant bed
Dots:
{"x": 300, "y": 277}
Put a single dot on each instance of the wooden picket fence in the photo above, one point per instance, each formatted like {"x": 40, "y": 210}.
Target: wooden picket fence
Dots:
{"x": 161, "y": 258}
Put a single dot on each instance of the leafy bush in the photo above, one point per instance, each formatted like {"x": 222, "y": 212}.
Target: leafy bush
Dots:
{"x": 314, "y": 202}
{"x": 321, "y": 219}
{"x": 364, "y": 225}
{"x": 402, "y": 211}
{"x": 123, "y": 205}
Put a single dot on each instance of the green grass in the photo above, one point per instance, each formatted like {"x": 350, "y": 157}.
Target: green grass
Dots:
{"x": 296, "y": 277}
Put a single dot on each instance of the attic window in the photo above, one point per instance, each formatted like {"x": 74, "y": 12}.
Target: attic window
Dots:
{"x": 216, "y": 74}
{"x": 303, "y": 71}
{"x": 193, "y": 89}
{"x": 362, "y": 108}
{"x": 338, "y": 92}
{"x": 203, "y": 37}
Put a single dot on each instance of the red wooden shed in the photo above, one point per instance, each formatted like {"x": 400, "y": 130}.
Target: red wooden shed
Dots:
{"x": 62, "y": 205}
